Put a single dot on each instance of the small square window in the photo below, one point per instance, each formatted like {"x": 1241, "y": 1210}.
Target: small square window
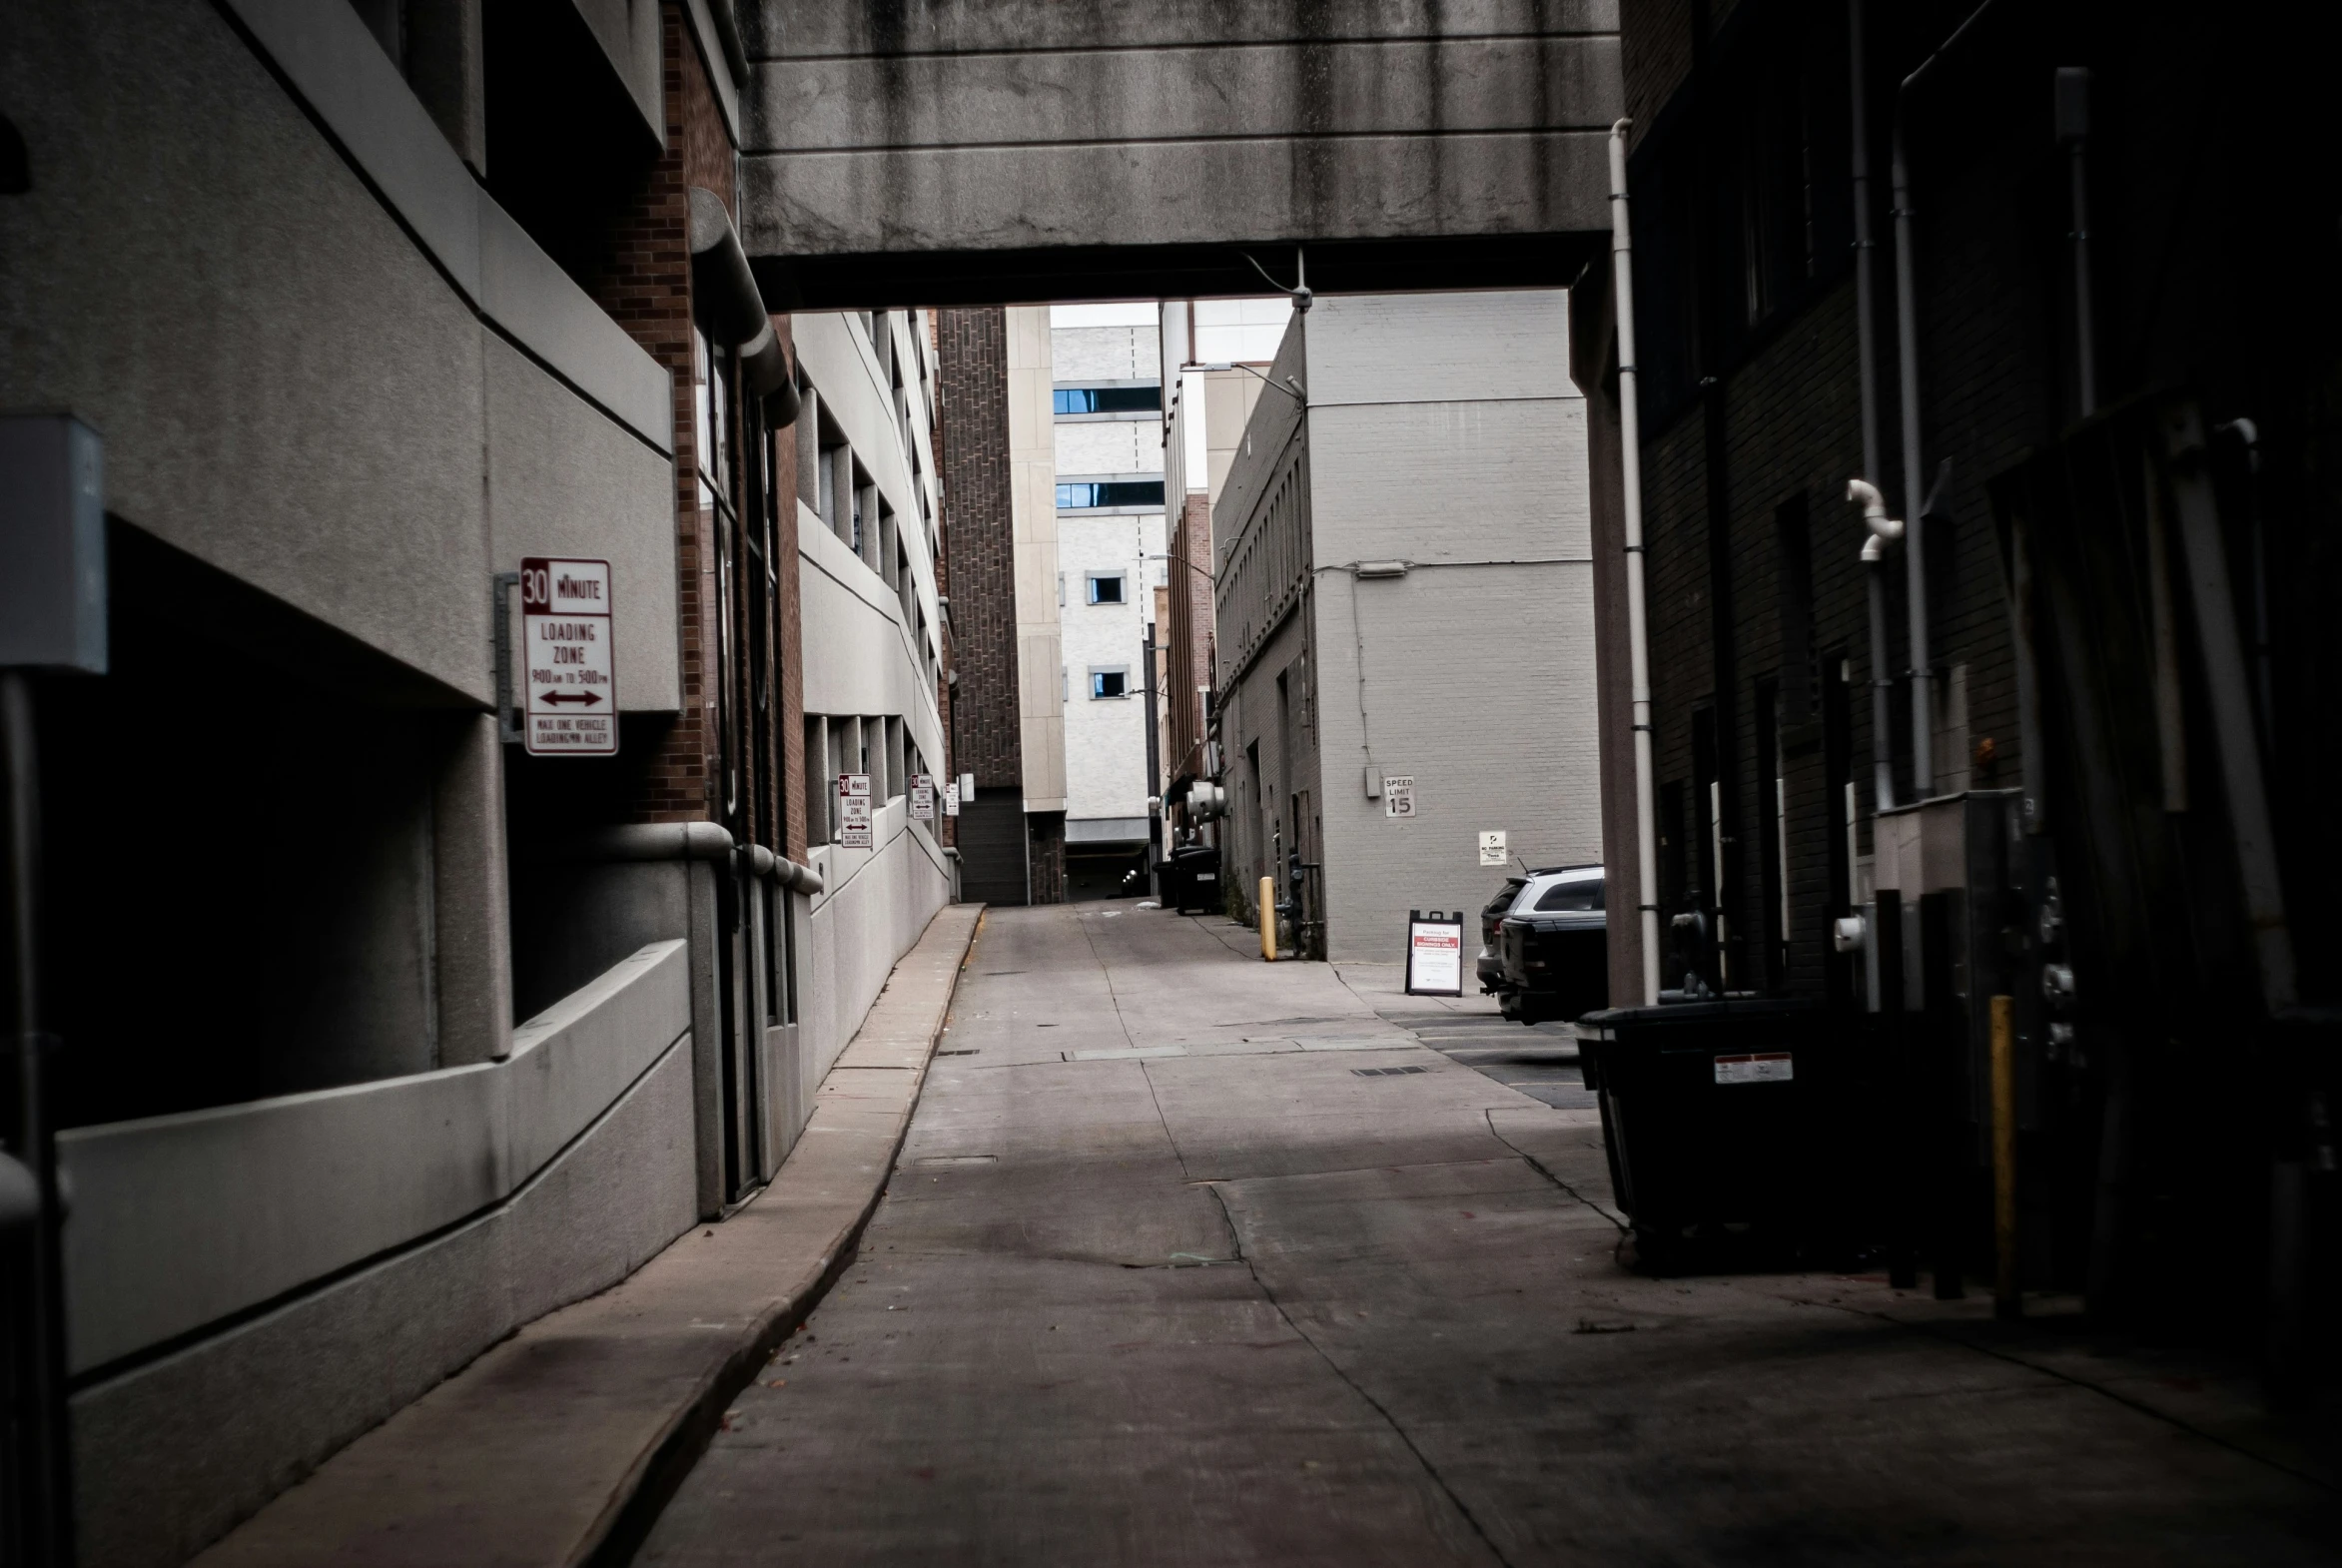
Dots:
{"x": 1109, "y": 683}
{"x": 1105, "y": 587}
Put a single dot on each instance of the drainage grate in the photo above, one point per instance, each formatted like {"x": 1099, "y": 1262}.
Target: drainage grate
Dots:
{"x": 1387, "y": 1072}
{"x": 971, "y": 1051}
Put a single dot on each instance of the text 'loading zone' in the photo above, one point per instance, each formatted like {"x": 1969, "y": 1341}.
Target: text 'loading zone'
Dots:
{"x": 565, "y": 624}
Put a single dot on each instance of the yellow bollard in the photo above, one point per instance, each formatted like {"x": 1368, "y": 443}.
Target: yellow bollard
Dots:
{"x": 1268, "y": 919}
{"x": 2006, "y": 1303}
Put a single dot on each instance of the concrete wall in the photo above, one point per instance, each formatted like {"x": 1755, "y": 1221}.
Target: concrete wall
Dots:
{"x": 338, "y": 467}
{"x": 862, "y": 657}
{"x": 331, "y": 371}
{"x": 991, "y": 125}
{"x": 438, "y": 1211}
{"x": 874, "y": 905}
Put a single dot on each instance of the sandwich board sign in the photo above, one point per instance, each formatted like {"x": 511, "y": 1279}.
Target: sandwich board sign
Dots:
{"x": 1436, "y": 953}
{"x": 853, "y": 811}
{"x": 571, "y": 705}
{"x": 922, "y": 797}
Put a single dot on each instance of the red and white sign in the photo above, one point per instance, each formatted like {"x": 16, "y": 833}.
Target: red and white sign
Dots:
{"x": 571, "y": 701}
{"x": 853, "y": 811}
{"x": 922, "y": 797}
{"x": 1763, "y": 1067}
{"x": 1435, "y": 956}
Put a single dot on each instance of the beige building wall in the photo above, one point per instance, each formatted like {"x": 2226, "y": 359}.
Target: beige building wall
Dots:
{"x": 1033, "y": 510}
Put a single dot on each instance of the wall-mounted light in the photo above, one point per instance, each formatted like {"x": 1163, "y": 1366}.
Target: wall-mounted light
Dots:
{"x": 1380, "y": 568}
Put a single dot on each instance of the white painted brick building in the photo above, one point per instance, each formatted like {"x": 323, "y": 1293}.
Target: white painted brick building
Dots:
{"x": 1406, "y": 589}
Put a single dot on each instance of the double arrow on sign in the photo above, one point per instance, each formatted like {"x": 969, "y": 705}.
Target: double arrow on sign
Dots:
{"x": 587, "y": 697}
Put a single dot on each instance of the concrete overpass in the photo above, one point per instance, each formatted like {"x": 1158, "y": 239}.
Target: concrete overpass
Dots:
{"x": 944, "y": 152}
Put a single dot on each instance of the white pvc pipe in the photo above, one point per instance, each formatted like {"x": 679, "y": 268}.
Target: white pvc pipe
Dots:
{"x": 1638, "y": 633}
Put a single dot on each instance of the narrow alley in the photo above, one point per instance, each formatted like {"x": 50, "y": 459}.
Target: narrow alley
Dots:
{"x": 1189, "y": 1259}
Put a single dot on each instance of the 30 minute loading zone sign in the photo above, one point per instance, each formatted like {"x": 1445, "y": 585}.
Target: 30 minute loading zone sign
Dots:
{"x": 571, "y": 704}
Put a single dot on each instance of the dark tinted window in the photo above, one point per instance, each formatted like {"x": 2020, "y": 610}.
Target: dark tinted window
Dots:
{"x": 1570, "y": 898}
{"x": 1109, "y": 399}
{"x": 1110, "y": 492}
{"x": 1504, "y": 897}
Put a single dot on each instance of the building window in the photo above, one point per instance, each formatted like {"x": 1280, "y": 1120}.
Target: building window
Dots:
{"x": 1109, "y": 399}
{"x": 1105, "y": 587}
{"x": 1104, "y": 683}
{"x": 1091, "y": 495}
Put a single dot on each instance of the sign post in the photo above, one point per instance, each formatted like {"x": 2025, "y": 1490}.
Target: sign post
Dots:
{"x": 1436, "y": 953}
{"x": 571, "y": 705}
{"x": 922, "y": 797}
{"x": 853, "y": 811}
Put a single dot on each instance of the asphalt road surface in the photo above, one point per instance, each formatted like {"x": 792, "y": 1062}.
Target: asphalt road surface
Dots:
{"x": 1195, "y": 1260}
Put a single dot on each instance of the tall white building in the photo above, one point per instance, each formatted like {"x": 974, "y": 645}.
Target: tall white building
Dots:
{"x": 1105, "y": 409}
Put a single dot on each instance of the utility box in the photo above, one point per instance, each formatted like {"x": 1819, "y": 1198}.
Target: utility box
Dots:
{"x": 52, "y": 545}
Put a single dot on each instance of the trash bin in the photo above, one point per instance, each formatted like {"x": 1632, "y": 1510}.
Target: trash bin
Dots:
{"x": 1189, "y": 879}
{"x": 1720, "y": 1114}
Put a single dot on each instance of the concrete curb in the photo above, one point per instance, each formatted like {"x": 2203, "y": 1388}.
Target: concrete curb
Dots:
{"x": 651, "y": 1484}
{"x": 558, "y": 1448}
{"x": 644, "y": 1492}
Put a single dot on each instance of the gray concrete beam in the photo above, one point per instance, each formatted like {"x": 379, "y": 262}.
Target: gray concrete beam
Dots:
{"x": 1068, "y": 150}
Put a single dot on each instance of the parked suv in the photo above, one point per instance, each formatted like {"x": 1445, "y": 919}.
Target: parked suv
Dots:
{"x": 1519, "y": 895}
{"x": 1554, "y": 947}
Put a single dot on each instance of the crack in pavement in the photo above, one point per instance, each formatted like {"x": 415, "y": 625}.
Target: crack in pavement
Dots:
{"x": 1540, "y": 1168}
{"x": 1462, "y": 1508}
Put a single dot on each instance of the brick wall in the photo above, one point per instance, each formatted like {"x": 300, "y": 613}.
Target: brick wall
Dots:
{"x": 643, "y": 279}
{"x": 1187, "y": 638}
{"x": 972, "y": 373}
{"x": 1784, "y": 426}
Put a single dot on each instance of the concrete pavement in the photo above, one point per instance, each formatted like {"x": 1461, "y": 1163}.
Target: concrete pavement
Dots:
{"x": 1177, "y": 1269}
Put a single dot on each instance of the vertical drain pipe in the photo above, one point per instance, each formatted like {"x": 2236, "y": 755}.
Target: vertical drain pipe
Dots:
{"x": 1638, "y": 633}
{"x": 1907, "y": 341}
{"x": 2074, "y": 129}
{"x": 1907, "y": 369}
{"x": 1866, "y": 355}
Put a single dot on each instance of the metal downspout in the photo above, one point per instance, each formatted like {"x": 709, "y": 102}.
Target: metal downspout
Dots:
{"x": 1907, "y": 338}
{"x": 1638, "y": 635}
{"x": 1867, "y": 358}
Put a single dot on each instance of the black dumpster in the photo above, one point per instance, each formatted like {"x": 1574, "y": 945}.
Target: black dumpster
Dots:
{"x": 1188, "y": 878}
{"x": 1725, "y": 1113}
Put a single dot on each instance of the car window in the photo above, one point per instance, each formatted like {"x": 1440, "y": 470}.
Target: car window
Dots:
{"x": 1504, "y": 897}
{"x": 1571, "y": 898}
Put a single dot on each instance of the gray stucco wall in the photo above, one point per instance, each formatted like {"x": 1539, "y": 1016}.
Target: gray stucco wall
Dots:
{"x": 564, "y": 479}
{"x": 184, "y": 213}
{"x": 290, "y": 387}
